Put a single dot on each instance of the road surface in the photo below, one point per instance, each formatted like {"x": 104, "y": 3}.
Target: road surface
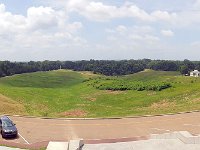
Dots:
{"x": 36, "y": 130}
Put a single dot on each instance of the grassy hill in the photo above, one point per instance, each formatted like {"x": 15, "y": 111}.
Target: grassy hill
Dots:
{"x": 65, "y": 93}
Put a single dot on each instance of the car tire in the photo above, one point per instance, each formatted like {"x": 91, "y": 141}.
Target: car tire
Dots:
{"x": 2, "y": 134}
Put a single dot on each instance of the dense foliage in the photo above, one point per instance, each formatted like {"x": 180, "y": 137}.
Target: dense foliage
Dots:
{"x": 106, "y": 67}
{"x": 122, "y": 85}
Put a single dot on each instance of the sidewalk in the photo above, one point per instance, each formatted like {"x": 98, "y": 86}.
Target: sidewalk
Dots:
{"x": 8, "y": 148}
{"x": 152, "y": 144}
{"x": 181, "y": 140}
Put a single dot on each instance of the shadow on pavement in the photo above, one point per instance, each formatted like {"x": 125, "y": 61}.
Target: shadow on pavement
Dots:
{"x": 11, "y": 138}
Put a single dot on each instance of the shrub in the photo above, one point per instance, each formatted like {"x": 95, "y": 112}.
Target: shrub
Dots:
{"x": 120, "y": 85}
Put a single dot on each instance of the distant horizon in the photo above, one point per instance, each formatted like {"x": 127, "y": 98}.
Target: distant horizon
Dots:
{"x": 100, "y": 60}
{"x": 99, "y": 29}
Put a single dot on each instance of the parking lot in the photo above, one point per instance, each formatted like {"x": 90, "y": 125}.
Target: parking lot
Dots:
{"x": 36, "y": 130}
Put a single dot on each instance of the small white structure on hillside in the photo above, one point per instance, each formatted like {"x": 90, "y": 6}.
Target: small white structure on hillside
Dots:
{"x": 195, "y": 73}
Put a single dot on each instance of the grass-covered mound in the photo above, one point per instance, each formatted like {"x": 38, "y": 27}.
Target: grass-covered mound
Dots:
{"x": 147, "y": 80}
{"x": 65, "y": 93}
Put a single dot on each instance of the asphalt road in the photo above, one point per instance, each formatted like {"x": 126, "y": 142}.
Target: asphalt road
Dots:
{"x": 33, "y": 130}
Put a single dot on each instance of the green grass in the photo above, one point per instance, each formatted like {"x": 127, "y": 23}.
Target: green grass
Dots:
{"x": 66, "y": 93}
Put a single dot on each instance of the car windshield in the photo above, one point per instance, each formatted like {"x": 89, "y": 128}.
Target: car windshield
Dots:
{"x": 7, "y": 123}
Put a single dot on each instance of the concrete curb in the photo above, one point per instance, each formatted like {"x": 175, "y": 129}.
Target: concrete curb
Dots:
{"x": 75, "y": 144}
{"x": 184, "y": 136}
{"x": 44, "y": 144}
{"x": 115, "y": 140}
{"x": 139, "y": 116}
{"x": 57, "y": 146}
{"x": 35, "y": 146}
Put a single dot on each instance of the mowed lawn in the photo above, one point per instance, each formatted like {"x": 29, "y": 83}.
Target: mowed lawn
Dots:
{"x": 65, "y": 93}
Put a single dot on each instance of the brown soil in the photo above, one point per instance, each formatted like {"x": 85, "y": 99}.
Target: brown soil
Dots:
{"x": 151, "y": 93}
{"x": 162, "y": 104}
{"x": 88, "y": 74}
{"x": 82, "y": 105}
{"x": 196, "y": 100}
{"x": 92, "y": 99}
{"x": 89, "y": 98}
{"x": 9, "y": 106}
{"x": 114, "y": 92}
{"x": 74, "y": 113}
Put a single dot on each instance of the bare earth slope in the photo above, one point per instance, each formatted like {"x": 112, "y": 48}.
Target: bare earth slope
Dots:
{"x": 9, "y": 106}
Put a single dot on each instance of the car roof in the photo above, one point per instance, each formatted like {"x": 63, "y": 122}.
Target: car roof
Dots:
{"x": 4, "y": 118}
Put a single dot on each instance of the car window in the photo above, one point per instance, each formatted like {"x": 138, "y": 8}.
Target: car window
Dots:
{"x": 6, "y": 123}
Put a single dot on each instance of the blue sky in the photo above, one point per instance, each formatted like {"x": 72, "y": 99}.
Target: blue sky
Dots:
{"x": 99, "y": 29}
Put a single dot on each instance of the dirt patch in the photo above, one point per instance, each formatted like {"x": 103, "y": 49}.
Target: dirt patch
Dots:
{"x": 82, "y": 105}
{"x": 92, "y": 99}
{"x": 9, "y": 106}
{"x": 5, "y": 99}
{"x": 41, "y": 107}
{"x": 88, "y": 74}
{"x": 151, "y": 93}
{"x": 162, "y": 105}
{"x": 196, "y": 100}
{"x": 74, "y": 113}
{"x": 94, "y": 96}
{"x": 114, "y": 92}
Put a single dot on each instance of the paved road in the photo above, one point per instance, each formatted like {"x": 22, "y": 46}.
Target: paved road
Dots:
{"x": 32, "y": 130}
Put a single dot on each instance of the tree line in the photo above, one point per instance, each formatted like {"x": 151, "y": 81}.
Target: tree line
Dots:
{"x": 106, "y": 67}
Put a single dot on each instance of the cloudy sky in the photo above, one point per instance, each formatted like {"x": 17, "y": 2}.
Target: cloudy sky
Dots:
{"x": 99, "y": 29}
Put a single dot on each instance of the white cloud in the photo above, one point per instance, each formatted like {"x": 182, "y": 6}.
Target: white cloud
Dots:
{"x": 163, "y": 15}
{"x": 130, "y": 37}
{"x": 58, "y": 29}
{"x": 42, "y": 28}
{"x": 38, "y": 18}
{"x": 189, "y": 16}
{"x": 9, "y": 22}
{"x": 121, "y": 29}
{"x": 195, "y": 44}
{"x": 197, "y": 4}
{"x": 134, "y": 29}
{"x": 167, "y": 33}
{"x": 98, "y": 11}
{"x": 41, "y": 17}
{"x": 73, "y": 27}
{"x": 2, "y": 8}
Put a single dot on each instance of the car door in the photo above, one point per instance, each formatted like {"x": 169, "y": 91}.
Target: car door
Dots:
{"x": 0, "y": 125}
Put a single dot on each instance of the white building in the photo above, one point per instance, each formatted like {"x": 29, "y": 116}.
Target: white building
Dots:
{"x": 195, "y": 73}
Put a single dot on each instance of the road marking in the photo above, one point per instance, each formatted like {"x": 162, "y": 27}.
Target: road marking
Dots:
{"x": 72, "y": 134}
{"x": 23, "y": 138}
{"x": 160, "y": 129}
{"x": 84, "y": 124}
{"x": 148, "y": 121}
{"x": 193, "y": 125}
